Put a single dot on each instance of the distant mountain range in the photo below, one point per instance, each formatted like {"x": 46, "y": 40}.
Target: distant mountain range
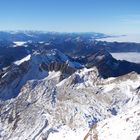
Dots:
{"x": 17, "y": 45}
{"x": 46, "y": 36}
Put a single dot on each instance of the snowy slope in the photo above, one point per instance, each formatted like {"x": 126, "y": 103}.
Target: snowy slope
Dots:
{"x": 50, "y": 96}
{"x": 27, "y": 58}
{"x": 19, "y": 43}
{"x": 122, "y": 127}
{"x": 34, "y": 67}
{"x": 125, "y": 126}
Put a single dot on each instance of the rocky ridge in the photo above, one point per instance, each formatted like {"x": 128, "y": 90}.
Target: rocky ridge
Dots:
{"x": 51, "y": 96}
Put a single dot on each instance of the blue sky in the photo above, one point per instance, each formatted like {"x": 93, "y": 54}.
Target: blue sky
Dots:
{"x": 107, "y": 16}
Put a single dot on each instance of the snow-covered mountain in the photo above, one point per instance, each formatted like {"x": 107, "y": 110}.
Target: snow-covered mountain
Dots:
{"x": 120, "y": 127}
{"x": 48, "y": 95}
{"x": 16, "y": 45}
{"x": 36, "y": 66}
{"x": 46, "y": 36}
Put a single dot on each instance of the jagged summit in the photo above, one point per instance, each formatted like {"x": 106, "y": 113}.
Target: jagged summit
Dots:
{"x": 58, "y": 108}
{"x": 107, "y": 65}
{"x": 35, "y": 66}
{"x": 49, "y": 95}
{"x": 41, "y": 62}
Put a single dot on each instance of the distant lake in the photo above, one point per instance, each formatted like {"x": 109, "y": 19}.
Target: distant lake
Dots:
{"x": 130, "y": 56}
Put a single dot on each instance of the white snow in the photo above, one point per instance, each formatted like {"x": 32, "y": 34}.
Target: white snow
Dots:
{"x": 53, "y": 74}
{"x": 48, "y": 43}
{"x": 4, "y": 75}
{"x": 125, "y": 126}
{"x": 70, "y": 107}
{"x": 66, "y": 133}
{"x": 19, "y": 43}
{"x": 23, "y": 60}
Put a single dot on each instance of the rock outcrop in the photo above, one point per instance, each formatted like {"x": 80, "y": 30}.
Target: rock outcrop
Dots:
{"x": 109, "y": 66}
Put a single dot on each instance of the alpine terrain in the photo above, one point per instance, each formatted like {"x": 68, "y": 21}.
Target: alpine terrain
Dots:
{"x": 48, "y": 95}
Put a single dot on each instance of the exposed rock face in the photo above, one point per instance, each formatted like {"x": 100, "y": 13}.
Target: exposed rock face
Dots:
{"x": 123, "y": 126}
{"x": 1, "y": 73}
{"x": 58, "y": 66}
{"x": 138, "y": 138}
{"x": 37, "y": 67}
{"x": 46, "y": 106}
{"x": 105, "y": 63}
{"x": 13, "y": 72}
{"x": 51, "y": 95}
{"x": 108, "y": 66}
{"x": 10, "y": 80}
